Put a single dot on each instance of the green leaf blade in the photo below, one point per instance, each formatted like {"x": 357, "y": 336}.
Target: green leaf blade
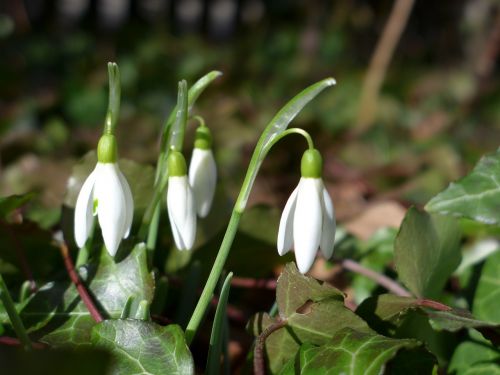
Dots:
{"x": 476, "y": 196}
{"x": 426, "y": 252}
{"x": 139, "y": 347}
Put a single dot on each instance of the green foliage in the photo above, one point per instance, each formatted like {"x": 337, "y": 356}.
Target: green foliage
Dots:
{"x": 61, "y": 319}
{"x": 475, "y": 196}
{"x": 475, "y": 358}
{"x": 351, "y": 352}
{"x": 145, "y": 348}
{"x": 9, "y": 204}
{"x": 308, "y": 306}
{"x": 426, "y": 252}
{"x": 485, "y": 305}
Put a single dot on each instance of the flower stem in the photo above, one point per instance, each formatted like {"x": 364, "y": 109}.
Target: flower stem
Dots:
{"x": 114, "y": 99}
{"x": 14, "y": 317}
{"x": 302, "y": 132}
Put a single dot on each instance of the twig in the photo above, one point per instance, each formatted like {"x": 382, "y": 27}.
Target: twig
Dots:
{"x": 380, "y": 61}
{"x": 259, "y": 367}
{"x": 380, "y": 279}
{"x": 82, "y": 291}
{"x": 12, "y": 341}
{"x": 247, "y": 282}
{"x": 433, "y": 305}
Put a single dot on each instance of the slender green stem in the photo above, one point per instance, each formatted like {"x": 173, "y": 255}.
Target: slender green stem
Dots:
{"x": 299, "y": 131}
{"x": 114, "y": 99}
{"x": 200, "y": 120}
{"x": 209, "y": 288}
{"x": 14, "y": 317}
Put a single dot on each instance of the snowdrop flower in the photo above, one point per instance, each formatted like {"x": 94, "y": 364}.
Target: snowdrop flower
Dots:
{"x": 105, "y": 193}
{"x": 308, "y": 220}
{"x": 202, "y": 171}
{"x": 180, "y": 203}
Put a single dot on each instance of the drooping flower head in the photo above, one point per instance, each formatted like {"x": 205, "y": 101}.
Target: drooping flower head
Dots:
{"x": 180, "y": 202}
{"x": 105, "y": 193}
{"x": 203, "y": 171}
{"x": 308, "y": 219}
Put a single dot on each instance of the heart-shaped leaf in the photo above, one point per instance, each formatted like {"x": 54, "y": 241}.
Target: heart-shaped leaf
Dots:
{"x": 314, "y": 313}
{"x": 476, "y": 196}
{"x": 426, "y": 252}
{"x": 350, "y": 352}
{"x": 144, "y": 348}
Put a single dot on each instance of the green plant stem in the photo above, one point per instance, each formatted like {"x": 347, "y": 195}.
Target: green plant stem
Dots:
{"x": 299, "y": 131}
{"x": 114, "y": 98}
{"x": 14, "y": 317}
{"x": 213, "y": 278}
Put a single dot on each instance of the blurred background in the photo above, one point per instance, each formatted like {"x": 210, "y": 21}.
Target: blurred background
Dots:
{"x": 417, "y": 99}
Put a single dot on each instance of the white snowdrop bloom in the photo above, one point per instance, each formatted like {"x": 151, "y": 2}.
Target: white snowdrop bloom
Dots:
{"x": 107, "y": 194}
{"x": 203, "y": 172}
{"x": 308, "y": 219}
{"x": 180, "y": 203}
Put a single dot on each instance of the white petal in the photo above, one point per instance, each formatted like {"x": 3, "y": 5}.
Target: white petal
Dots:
{"x": 83, "y": 211}
{"x": 111, "y": 210}
{"x": 307, "y": 223}
{"x": 203, "y": 178}
{"x": 129, "y": 203}
{"x": 181, "y": 211}
{"x": 328, "y": 227}
{"x": 285, "y": 232}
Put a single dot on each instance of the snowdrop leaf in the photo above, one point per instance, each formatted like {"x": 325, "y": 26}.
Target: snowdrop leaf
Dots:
{"x": 58, "y": 316}
{"x": 139, "y": 347}
{"x": 280, "y": 121}
{"x": 308, "y": 306}
{"x": 350, "y": 352}
{"x": 475, "y": 196}
{"x": 426, "y": 252}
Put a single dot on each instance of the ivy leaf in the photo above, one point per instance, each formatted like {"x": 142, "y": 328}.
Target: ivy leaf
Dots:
{"x": 145, "y": 348}
{"x": 65, "y": 319}
{"x": 485, "y": 304}
{"x": 385, "y": 313}
{"x": 476, "y": 196}
{"x": 475, "y": 358}
{"x": 350, "y": 352}
{"x": 309, "y": 308}
{"x": 426, "y": 252}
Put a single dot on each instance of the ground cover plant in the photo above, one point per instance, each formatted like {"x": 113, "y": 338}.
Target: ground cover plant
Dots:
{"x": 159, "y": 216}
{"x": 116, "y": 299}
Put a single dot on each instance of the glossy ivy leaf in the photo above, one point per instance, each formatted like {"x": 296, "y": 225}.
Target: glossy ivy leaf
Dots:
{"x": 12, "y": 202}
{"x": 487, "y": 296}
{"x": 426, "y": 252}
{"x": 144, "y": 348}
{"x": 58, "y": 314}
{"x": 350, "y": 352}
{"x": 475, "y": 358}
{"x": 475, "y": 196}
{"x": 386, "y": 313}
{"x": 16, "y": 361}
{"x": 314, "y": 313}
